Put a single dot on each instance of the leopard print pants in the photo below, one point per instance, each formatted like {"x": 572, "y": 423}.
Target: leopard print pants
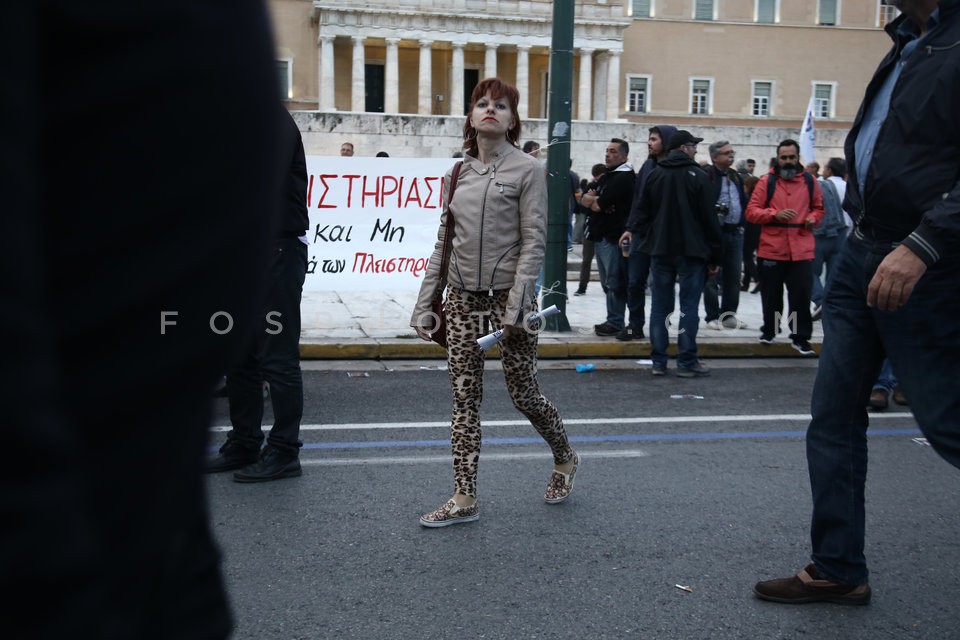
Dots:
{"x": 466, "y": 313}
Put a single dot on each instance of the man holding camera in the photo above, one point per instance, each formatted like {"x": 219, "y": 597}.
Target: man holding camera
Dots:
{"x": 730, "y": 201}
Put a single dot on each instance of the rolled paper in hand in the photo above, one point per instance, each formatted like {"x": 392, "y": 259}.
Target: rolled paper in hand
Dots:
{"x": 491, "y": 339}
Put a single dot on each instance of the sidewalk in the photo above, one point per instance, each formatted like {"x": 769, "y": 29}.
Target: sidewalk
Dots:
{"x": 375, "y": 324}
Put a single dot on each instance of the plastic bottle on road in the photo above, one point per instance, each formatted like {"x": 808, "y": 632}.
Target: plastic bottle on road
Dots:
{"x": 583, "y": 368}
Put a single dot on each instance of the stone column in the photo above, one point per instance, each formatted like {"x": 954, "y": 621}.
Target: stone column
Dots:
{"x": 585, "y": 95}
{"x": 600, "y": 86}
{"x": 456, "y": 80}
{"x": 358, "y": 100}
{"x": 613, "y": 87}
{"x": 391, "y": 78}
{"x": 523, "y": 79}
{"x": 490, "y": 62}
{"x": 425, "y": 87}
{"x": 326, "y": 86}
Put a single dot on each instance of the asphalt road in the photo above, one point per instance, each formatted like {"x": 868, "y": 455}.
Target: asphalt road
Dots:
{"x": 700, "y": 483}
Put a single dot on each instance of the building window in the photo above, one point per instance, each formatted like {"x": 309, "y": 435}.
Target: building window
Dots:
{"x": 703, "y": 10}
{"x": 285, "y": 77}
{"x": 823, "y": 100}
{"x": 886, "y": 13}
{"x": 638, "y": 94}
{"x": 641, "y": 8}
{"x": 700, "y": 90}
{"x": 827, "y": 12}
{"x": 766, "y": 11}
{"x": 761, "y": 98}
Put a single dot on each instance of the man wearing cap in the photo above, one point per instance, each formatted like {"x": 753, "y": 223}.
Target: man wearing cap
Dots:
{"x": 681, "y": 233}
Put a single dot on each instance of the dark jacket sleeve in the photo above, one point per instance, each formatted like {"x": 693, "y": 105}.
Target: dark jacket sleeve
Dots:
{"x": 709, "y": 220}
{"x": 648, "y": 166}
{"x": 644, "y": 211}
{"x": 939, "y": 231}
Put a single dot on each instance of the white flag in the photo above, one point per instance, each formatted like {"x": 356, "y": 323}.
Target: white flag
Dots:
{"x": 807, "y": 135}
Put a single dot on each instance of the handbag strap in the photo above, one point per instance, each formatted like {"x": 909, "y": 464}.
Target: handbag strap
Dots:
{"x": 447, "y": 236}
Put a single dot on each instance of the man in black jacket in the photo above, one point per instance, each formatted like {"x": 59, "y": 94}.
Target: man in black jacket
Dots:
{"x": 638, "y": 266}
{"x": 893, "y": 291}
{"x": 610, "y": 205}
{"x": 274, "y": 353}
{"x": 109, "y": 355}
{"x": 681, "y": 233}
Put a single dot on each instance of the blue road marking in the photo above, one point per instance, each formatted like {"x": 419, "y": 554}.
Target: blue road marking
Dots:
{"x": 638, "y": 437}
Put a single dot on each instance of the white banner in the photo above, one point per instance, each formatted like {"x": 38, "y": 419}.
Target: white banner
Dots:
{"x": 373, "y": 221}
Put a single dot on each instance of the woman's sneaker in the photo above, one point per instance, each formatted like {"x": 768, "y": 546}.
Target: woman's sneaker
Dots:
{"x": 450, "y": 513}
{"x": 561, "y": 484}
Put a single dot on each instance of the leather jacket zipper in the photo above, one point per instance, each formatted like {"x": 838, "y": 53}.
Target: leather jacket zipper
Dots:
{"x": 483, "y": 213}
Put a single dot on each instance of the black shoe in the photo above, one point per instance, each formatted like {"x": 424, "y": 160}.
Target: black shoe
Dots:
{"x": 629, "y": 333}
{"x": 580, "y": 292}
{"x": 803, "y": 347}
{"x": 273, "y": 465}
{"x": 605, "y": 330}
{"x": 766, "y": 338}
{"x": 232, "y": 456}
{"x": 696, "y": 371}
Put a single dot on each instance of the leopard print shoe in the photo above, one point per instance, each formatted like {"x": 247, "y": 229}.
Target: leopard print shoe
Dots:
{"x": 561, "y": 484}
{"x": 450, "y": 513}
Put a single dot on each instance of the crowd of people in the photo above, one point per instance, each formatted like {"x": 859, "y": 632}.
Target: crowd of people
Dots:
{"x": 635, "y": 223}
{"x": 108, "y": 536}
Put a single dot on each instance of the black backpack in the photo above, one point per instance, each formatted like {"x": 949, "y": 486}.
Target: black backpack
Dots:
{"x": 772, "y": 186}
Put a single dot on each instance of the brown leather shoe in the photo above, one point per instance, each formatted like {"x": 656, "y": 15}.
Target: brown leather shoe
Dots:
{"x": 899, "y": 396}
{"x": 806, "y": 587}
{"x": 878, "y": 400}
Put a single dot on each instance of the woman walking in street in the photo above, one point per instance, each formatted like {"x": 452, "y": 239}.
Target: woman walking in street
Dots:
{"x": 498, "y": 218}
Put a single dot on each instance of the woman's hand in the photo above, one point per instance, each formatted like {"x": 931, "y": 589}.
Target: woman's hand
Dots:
{"x": 422, "y": 333}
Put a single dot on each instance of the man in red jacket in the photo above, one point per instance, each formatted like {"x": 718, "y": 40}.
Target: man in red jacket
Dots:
{"x": 788, "y": 204}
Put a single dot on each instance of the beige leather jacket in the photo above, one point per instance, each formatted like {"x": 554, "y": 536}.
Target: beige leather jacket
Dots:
{"x": 500, "y": 228}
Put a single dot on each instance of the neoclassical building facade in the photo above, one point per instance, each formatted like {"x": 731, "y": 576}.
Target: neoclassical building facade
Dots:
{"x": 417, "y": 57}
{"x": 711, "y": 65}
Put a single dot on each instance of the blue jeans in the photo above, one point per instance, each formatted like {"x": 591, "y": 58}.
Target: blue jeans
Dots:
{"x": 886, "y": 380}
{"x": 729, "y": 280}
{"x": 613, "y": 271}
{"x": 638, "y": 271}
{"x": 922, "y": 340}
{"x": 692, "y": 273}
{"x": 824, "y": 255}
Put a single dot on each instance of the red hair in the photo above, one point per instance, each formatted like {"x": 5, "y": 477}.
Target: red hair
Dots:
{"x": 497, "y": 89}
